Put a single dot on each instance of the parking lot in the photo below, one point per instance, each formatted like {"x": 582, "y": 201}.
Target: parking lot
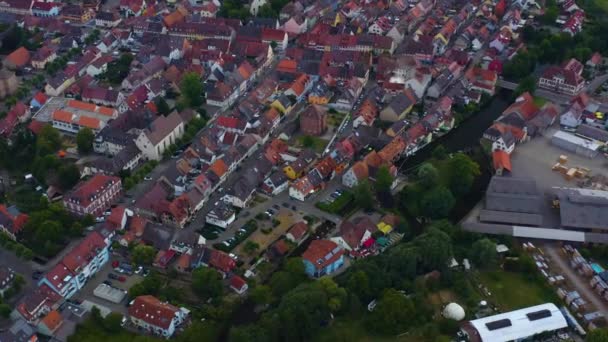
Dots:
{"x": 99, "y": 278}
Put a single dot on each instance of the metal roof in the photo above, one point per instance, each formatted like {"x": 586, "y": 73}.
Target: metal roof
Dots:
{"x": 515, "y": 325}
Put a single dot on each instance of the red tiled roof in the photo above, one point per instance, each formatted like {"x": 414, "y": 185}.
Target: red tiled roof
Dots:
{"x": 40, "y": 97}
{"x": 219, "y": 167}
{"x": 19, "y": 57}
{"x": 152, "y": 311}
{"x": 52, "y": 320}
{"x": 82, "y": 254}
{"x": 228, "y": 122}
{"x": 85, "y": 191}
{"x": 298, "y": 230}
{"x": 501, "y": 160}
{"x": 221, "y": 261}
{"x": 63, "y": 116}
{"x": 237, "y": 282}
{"x": 82, "y": 105}
{"x": 318, "y": 250}
{"x": 90, "y": 122}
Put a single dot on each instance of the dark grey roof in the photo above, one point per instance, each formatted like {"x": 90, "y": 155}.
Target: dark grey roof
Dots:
{"x": 591, "y": 132}
{"x": 511, "y": 194}
{"x": 157, "y": 236}
{"x": 583, "y": 208}
{"x": 494, "y": 216}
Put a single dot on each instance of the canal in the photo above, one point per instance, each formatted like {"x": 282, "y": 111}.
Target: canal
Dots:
{"x": 464, "y": 137}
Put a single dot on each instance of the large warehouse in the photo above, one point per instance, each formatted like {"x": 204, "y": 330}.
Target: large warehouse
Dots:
{"x": 516, "y": 325}
{"x": 572, "y": 143}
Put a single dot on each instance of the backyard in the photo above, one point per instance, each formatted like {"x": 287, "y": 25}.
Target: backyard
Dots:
{"x": 309, "y": 141}
{"x": 503, "y": 284}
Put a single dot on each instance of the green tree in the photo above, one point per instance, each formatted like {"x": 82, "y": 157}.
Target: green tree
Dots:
{"x": 84, "y": 140}
{"x": 483, "y": 253}
{"x": 49, "y": 141}
{"x": 112, "y": 323}
{"x": 250, "y": 247}
{"x": 308, "y": 141}
{"x": 364, "y": 198}
{"x": 384, "y": 179}
{"x": 261, "y": 295}
{"x": 463, "y": 171}
{"x": 527, "y": 84}
{"x": 162, "y": 106}
{"x": 393, "y": 314}
{"x": 5, "y": 310}
{"x": 428, "y": 175}
{"x": 437, "y": 202}
{"x": 191, "y": 89}
{"x": 597, "y": 335}
{"x": 207, "y": 282}
{"x": 68, "y": 175}
{"x": 143, "y": 255}
{"x": 435, "y": 248}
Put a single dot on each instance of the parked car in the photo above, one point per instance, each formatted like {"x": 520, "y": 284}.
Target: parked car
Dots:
{"x": 147, "y": 178}
{"x": 107, "y": 282}
{"x": 123, "y": 322}
{"x": 285, "y": 204}
{"x": 37, "y": 275}
{"x": 112, "y": 276}
{"x": 139, "y": 270}
{"x": 122, "y": 279}
{"x": 99, "y": 219}
{"x": 276, "y": 206}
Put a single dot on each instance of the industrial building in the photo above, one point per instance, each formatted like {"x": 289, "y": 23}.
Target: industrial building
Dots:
{"x": 583, "y": 208}
{"x": 516, "y": 325}
{"x": 572, "y": 143}
{"x": 512, "y": 200}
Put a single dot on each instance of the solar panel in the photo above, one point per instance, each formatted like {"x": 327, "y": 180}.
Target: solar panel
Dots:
{"x": 501, "y": 323}
{"x": 536, "y": 315}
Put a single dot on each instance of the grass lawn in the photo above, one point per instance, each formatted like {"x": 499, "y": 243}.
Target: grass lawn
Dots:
{"x": 539, "y": 101}
{"x": 355, "y": 331}
{"x": 315, "y": 143}
{"x": 603, "y": 4}
{"x": 512, "y": 291}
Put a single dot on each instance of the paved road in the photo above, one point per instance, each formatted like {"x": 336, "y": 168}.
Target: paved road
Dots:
{"x": 580, "y": 284}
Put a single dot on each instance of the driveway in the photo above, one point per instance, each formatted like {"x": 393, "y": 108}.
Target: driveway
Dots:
{"x": 580, "y": 284}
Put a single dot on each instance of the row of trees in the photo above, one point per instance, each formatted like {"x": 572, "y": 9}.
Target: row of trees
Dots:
{"x": 439, "y": 183}
{"x": 545, "y": 47}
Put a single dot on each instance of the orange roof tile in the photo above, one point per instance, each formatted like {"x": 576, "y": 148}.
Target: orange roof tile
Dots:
{"x": 219, "y": 167}
{"x": 19, "y": 57}
{"x": 105, "y": 111}
{"x": 53, "y": 320}
{"x": 299, "y": 84}
{"x": 89, "y": 122}
{"x": 82, "y": 105}
{"x": 62, "y": 115}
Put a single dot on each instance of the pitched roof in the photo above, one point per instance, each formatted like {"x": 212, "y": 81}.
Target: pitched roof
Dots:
{"x": 501, "y": 160}
{"x": 298, "y": 230}
{"x": 322, "y": 253}
{"x": 152, "y": 311}
{"x": 86, "y": 250}
{"x": 52, "y": 320}
{"x": 90, "y": 122}
{"x": 221, "y": 261}
{"x": 163, "y": 126}
{"x": 19, "y": 57}
{"x": 237, "y": 282}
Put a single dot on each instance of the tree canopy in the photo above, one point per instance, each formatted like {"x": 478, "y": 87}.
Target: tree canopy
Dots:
{"x": 394, "y": 313}
{"x": 84, "y": 140}
{"x": 143, "y": 254}
{"x": 207, "y": 282}
{"x": 483, "y": 253}
{"x": 192, "y": 92}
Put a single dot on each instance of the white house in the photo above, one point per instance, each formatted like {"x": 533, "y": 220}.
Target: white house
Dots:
{"x": 222, "y": 215}
{"x": 162, "y": 133}
{"x": 154, "y": 316}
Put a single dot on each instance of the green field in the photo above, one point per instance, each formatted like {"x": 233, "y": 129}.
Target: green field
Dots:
{"x": 355, "y": 331}
{"x": 316, "y": 143}
{"x": 512, "y": 291}
{"x": 603, "y": 4}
